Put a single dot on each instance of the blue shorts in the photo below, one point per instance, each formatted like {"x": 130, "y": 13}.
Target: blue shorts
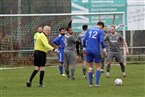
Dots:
{"x": 91, "y": 56}
{"x": 61, "y": 56}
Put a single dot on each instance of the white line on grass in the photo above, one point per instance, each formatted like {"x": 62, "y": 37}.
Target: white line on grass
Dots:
{"x": 11, "y": 68}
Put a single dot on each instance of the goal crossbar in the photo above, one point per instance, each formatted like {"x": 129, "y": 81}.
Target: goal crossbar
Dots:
{"x": 60, "y": 14}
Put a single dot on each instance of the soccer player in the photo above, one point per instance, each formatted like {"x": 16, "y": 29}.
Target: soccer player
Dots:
{"x": 80, "y": 40}
{"x": 37, "y": 33}
{"x": 93, "y": 38}
{"x": 115, "y": 39}
{"x": 41, "y": 48}
{"x": 70, "y": 54}
{"x": 59, "y": 41}
{"x": 106, "y": 45}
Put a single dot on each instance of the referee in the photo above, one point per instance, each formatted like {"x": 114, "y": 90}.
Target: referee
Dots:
{"x": 41, "y": 48}
{"x": 37, "y": 33}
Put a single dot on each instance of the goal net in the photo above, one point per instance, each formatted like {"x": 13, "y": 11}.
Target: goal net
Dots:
{"x": 17, "y": 32}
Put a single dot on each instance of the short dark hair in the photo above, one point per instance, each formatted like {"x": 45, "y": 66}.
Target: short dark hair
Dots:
{"x": 101, "y": 23}
{"x": 84, "y": 27}
{"x": 42, "y": 25}
{"x": 61, "y": 29}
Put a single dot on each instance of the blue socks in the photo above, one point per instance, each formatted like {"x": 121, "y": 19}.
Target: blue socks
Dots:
{"x": 90, "y": 74}
{"x": 61, "y": 69}
{"x": 98, "y": 74}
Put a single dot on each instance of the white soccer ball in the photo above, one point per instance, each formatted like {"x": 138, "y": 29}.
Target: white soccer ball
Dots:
{"x": 118, "y": 82}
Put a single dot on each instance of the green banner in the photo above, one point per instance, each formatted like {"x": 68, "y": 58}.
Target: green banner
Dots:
{"x": 95, "y": 6}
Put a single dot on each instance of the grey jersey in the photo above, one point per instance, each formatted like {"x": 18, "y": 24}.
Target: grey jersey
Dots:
{"x": 80, "y": 38}
{"x": 106, "y": 42}
{"x": 70, "y": 42}
{"x": 114, "y": 41}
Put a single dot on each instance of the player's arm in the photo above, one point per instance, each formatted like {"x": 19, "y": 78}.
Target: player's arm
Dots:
{"x": 124, "y": 44}
{"x": 46, "y": 44}
{"x": 56, "y": 41}
{"x": 121, "y": 25}
{"x": 78, "y": 45}
{"x": 102, "y": 43}
{"x": 106, "y": 37}
{"x": 35, "y": 36}
{"x": 84, "y": 42}
{"x": 77, "y": 48}
{"x": 102, "y": 40}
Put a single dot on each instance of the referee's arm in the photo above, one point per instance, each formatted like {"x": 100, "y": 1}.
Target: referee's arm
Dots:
{"x": 46, "y": 44}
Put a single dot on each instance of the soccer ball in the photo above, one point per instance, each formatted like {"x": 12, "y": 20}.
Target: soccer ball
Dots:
{"x": 118, "y": 82}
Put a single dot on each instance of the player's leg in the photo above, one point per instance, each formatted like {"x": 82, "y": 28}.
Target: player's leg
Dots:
{"x": 98, "y": 73}
{"x": 66, "y": 63}
{"x": 122, "y": 68}
{"x": 29, "y": 82}
{"x": 61, "y": 68}
{"x": 119, "y": 59}
{"x": 61, "y": 61}
{"x": 84, "y": 69}
{"x": 108, "y": 69}
{"x": 102, "y": 65}
{"x": 41, "y": 76}
{"x": 103, "y": 59}
{"x": 97, "y": 60}
{"x": 90, "y": 74}
{"x": 42, "y": 68}
{"x": 73, "y": 64}
{"x": 34, "y": 73}
{"x": 109, "y": 62}
{"x": 67, "y": 70}
{"x": 89, "y": 59}
{"x": 36, "y": 64}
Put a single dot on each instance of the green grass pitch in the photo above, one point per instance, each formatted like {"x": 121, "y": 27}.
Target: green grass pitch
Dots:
{"x": 12, "y": 83}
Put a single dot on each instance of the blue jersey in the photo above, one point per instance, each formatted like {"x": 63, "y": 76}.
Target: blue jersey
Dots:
{"x": 92, "y": 40}
{"x": 59, "y": 40}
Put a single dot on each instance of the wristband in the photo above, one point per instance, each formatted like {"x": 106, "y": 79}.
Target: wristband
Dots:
{"x": 84, "y": 48}
{"x": 104, "y": 49}
{"x": 53, "y": 49}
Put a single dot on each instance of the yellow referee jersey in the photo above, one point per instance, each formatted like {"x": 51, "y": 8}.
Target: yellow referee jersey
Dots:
{"x": 36, "y": 35}
{"x": 42, "y": 43}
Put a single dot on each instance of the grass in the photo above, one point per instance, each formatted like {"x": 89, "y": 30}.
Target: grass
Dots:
{"x": 13, "y": 84}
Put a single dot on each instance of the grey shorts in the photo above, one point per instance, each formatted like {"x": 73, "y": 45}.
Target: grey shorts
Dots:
{"x": 70, "y": 58}
{"x": 116, "y": 55}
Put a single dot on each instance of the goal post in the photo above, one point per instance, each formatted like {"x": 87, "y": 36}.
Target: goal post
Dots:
{"x": 17, "y": 33}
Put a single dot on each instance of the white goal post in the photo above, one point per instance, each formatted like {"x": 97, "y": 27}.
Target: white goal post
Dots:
{"x": 73, "y": 14}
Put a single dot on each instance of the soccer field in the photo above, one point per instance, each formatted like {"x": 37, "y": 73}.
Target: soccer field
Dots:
{"x": 13, "y": 83}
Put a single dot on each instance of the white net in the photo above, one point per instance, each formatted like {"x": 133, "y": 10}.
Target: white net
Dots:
{"x": 16, "y": 36}
{"x": 17, "y": 32}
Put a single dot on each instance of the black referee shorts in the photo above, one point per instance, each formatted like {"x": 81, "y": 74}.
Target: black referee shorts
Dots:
{"x": 39, "y": 58}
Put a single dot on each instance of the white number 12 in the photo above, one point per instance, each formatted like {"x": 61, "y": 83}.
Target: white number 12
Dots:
{"x": 94, "y": 34}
